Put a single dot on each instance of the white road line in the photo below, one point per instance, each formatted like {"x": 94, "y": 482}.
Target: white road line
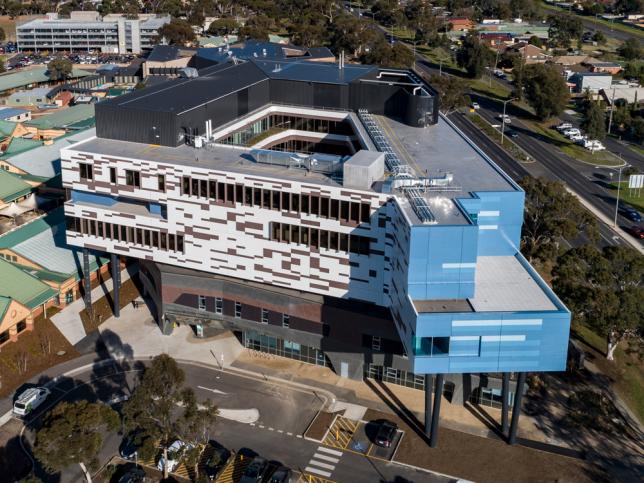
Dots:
{"x": 298, "y": 435}
{"x": 326, "y": 458}
{"x": 329, "y": 450}
{"x": 322, "y": 465}
{"x": 317, "y": 472}
{"x": 216, "y": 391}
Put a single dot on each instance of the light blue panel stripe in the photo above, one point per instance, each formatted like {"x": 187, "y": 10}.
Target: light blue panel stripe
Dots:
{"x": 519, "y": 353}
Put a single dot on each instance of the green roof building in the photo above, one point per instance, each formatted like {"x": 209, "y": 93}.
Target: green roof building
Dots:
{"x": 12, "y": 187}
{"x": 64, "y": 118}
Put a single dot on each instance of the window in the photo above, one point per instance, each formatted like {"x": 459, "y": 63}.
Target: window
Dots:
{"x": 161, "y": 182}
{"x": 202, "y": 302}
{"x": 185, "y": 185}
{"x": 219, "y": 305}
{"x": 286, "y": 320}
{"x": 20, "y": 326}
{"x": 113, "y": 175}
{"x": 264, "y": 316}
{"x": 375, "y": 343}
{"x": 86, "y": 171}
{"x": 132, "y": 178}
{"x": 238, "y": 308}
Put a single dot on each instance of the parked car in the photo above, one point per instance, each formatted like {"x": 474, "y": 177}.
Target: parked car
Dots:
{"x": 134, "y": 475}
{"x": 631, "y": 213}
{"x": 281, "y": 475}
{"x": 572, "y": 132}
{"x": 129, "y": 446}
{"x": 563, "y": 126}
{"x": 636, "y": 231}
{"x": 255, "y": 471}
{"x": 386, "y": 433}
{"x": 216, "y": 461}
{"x": 475, "y": 105}
{"x": 175, "y": 452}
{"x": 29, "y": 400}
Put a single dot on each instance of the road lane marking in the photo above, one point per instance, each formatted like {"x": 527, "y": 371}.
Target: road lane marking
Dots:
{"x": 216, "y": 391}
{"x": 326, "y": 458}
{"x": 317, "y": 472}
{"x": 330, "y": 451}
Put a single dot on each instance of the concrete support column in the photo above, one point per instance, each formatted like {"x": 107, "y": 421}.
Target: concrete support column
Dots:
{"x": 438, "y": 396}
{"x": 429, "y": 386}
{"x": 505, "y": 402}
{"x": 86, "y": 280}
{"x": 516, "y": 409}
{"x": 116, "y": 282}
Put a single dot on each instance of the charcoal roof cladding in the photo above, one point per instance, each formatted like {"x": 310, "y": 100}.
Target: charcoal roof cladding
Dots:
{"x": 165, "y": 113}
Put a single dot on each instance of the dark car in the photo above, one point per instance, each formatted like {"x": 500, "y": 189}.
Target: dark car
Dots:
{"x": 636, "y": 231}
{"x": 135, "y": 475}
{"x": 281, "y": 475}
{"x": 386, "y": 433}
{"x": 514, "y": 134}
{"x": 216, "y": 461}
{"x": 129, "y": 446}
{"x": 632, "y": 214}
{"x": 255, "y": 471}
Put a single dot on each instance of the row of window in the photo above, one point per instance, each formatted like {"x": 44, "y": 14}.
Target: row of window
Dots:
{"x": 132, "y": 178}
{"x": 5, "y": 336}
{"x": 127, "y": 234}
{"x": 219, "y": 309}
{"x": 315, "y": 238}
{"x": 277, "y": 200}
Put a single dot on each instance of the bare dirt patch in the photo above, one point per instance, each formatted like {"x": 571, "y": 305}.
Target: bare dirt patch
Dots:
{"x": 320, "y": 425}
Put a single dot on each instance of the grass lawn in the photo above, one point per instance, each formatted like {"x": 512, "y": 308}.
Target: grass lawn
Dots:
{"x": 406, "y": 35}
{"x": 601, "y": 158}
{"x": 638, "y": 149}
{"x": 491, "y": 89}
{"x": 495, "y": 135}
{"x": 633, "y": 197}
{"x": 634, "y": 31}
{"x": 625, "y": 371}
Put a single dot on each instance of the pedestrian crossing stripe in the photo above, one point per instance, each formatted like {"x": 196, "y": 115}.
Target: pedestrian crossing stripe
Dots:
{"x": 341, "y": 432}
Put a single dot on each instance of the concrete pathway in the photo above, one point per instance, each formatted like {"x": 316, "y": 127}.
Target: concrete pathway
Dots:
{"x": 68, "y": 320}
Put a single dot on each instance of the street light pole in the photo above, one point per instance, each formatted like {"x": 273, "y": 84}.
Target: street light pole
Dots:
{"x": 505, "y": 103}
{"x": 619, "y": 183}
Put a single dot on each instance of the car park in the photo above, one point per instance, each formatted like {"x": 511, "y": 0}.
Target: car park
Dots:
{"x": 175, "y": 452}
{"x": 386, "y": 433}
{"x": 256, "y": 471}
{"x": 636, "y": 231}
{"x": 281, "y": 475}
{"x": 216, "y": 461}
{"x": 29, "y": 400}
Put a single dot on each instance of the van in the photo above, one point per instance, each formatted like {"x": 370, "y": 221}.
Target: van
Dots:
{"x": 30, "y": 400}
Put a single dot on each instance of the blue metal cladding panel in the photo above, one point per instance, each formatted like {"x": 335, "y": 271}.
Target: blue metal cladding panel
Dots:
{"x": 441, "y": 261}
{"x": 97, "y": 199}
{"x": 513, "y": 341}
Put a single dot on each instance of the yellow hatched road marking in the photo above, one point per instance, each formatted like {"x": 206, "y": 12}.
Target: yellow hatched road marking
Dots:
{"x": 309, "y": 478}
{"x": 341, "y": 432}
{"x": 233, "y": 471}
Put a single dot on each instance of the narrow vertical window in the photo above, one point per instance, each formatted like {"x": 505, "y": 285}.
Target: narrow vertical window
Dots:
{"x": 202, "y": 302}
{"x": 113, "y": 175}
{"x": 286, "y": 321}
{"x": 264, "y": 316}
{"x": 161, "y": 182}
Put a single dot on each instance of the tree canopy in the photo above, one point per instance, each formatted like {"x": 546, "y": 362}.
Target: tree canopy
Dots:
{"x": 563, "y": 29}
{"x": 452, "y": 92}
{"x": 594, "y": 120}
{"x": 387, "y": 55}
{"x": 631, "y": 49}
{"x": 603, "y": 289}
{"x": 474, "y": 57}
{"x": 72, "y": 433}
{"x": 177, "y": 32}
{"x": 545, "y": 90}
{"x": 59, "y": 68}
{"x": 223, "y": 26}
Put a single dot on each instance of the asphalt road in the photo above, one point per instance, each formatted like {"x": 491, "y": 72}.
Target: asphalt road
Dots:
{"x": 284, "y": 414}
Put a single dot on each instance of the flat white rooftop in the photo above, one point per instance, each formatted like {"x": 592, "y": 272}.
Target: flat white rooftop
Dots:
{"x": 504, "y": 285}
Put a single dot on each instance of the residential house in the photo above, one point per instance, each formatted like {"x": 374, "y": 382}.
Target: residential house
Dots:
{"x": 460, "y": 24}
{"x": 14, "y": 114}
{"x": 32, "y": 97}
{"x": 591, "y": 81}
{"x": 596, "y": 65}
{"x": 531, "y": 54}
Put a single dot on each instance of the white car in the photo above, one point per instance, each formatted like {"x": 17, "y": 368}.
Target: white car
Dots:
{"x": 507, "y": 118}
{"x": 475, "y": 105}
{"x": 577, "y": 138}
{"x": 569, "y": 133}
{"x": 563, "y": 126}
{"x": 30, "y": 400}
{"x": 596, "y": 145}
{"x": 175, "y": 453}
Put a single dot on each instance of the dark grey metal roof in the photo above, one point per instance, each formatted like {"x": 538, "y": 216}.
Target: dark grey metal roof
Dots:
{"x": 324, "y": 72}
{"x": 180, "y": 95}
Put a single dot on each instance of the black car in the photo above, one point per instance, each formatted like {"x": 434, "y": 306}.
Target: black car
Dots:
{"x": 386, "y": 433}
{"x": 129, "y": 446}
{"x": 632, "y": 214}
{"x": 255, "y": 471}
{"x": 135, "y": 475}
{"x": 216, "y": 461}
{"x": 281, "y": 475}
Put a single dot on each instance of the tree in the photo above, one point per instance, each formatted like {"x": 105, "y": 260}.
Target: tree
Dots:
{"x": 452, "y": 92}
{"x": 536, "y": 41}
{"x": 152, "y": 410}
{"x": 256, "y": 28}
{"x": 594, "y": 121}
{"x": 72, "y": 433}
{"x": 545, "y": 90}
{"x": 59, "y": 68}
{"x": 551, "y": 213}
{"x": 629, "y": 6}
{"x": 599, "y": 37}
{"x": 474, "y": 56}
{"x": 604, "y": 290}
{"x": 630, "y": 49}
{"x": 387, "y": 55}
{"x": 223, "y": 26}
{"x": 177, "y": 32}
{"x": 351, "y": 35}
{"x": 194, "y": 427}
{"x": 563, "y": 29}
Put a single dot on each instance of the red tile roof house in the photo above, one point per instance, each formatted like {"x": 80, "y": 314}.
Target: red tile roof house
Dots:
{"x": 461, "y": 23}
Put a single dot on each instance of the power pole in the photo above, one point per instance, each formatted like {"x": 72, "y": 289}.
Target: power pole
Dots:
{"x": 612, "y": 108}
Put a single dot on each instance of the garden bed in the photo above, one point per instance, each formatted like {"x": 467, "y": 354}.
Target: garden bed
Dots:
{"x": 102, "y": 308}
